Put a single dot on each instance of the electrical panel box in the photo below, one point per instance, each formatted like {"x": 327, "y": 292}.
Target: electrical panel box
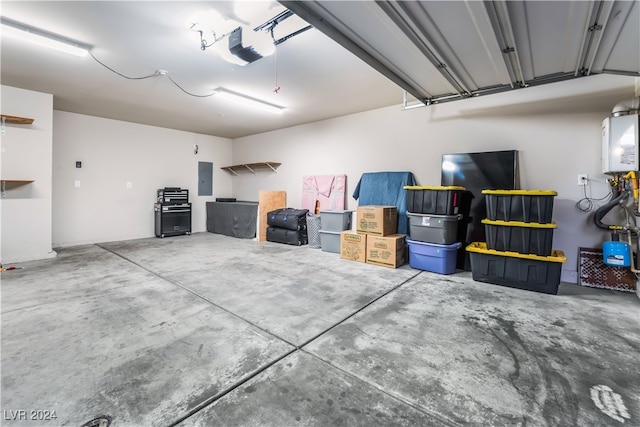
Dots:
{"x": 620, "y": 144}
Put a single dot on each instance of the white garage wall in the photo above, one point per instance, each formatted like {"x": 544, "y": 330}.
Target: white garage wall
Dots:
{"x": 554, "y": 127}
{"x": 25, "y": 211}
{"x": 113, "y": 153}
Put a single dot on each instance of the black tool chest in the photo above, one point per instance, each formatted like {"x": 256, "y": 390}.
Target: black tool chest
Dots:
{"x": 172, "y": 212}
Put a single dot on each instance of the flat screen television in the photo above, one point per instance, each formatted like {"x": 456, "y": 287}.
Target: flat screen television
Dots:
{"x": 494, "y": 170}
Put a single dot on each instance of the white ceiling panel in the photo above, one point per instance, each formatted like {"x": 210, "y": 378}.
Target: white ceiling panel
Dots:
{"x": 554, "y": 32}
{"x": 364, "y": 26}
{"x": 488, "y": 66}
{"x": 482, "y": 47}
{"x": 620, "y": 46}
{"x": 469, "y": 46}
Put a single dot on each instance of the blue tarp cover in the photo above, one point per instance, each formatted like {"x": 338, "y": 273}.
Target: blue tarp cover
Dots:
{"x": 386, "y": 189}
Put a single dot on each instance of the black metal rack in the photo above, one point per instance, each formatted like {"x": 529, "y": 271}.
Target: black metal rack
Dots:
{"x": 172, "y": 212}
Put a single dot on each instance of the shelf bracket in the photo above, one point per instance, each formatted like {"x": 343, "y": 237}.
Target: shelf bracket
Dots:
{"x": 272, "y": 168}
{"x": 4, "y": 130}
{"x": 3, "y": 194}
{"x": 254, "y": 168}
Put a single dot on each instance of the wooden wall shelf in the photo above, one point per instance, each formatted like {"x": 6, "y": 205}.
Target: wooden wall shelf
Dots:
{"x": 252, "y": 167}
{"x": 12, "y": 183}
{"x": 16, "y": 120}
{"x": 17, "y": 181}
{"x": 4, "y": 119}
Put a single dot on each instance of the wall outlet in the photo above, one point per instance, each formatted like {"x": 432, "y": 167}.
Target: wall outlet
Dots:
{"x": 77, "y": 184}
{"x": 583, "y": 179}
{"x": 129, "y": 185}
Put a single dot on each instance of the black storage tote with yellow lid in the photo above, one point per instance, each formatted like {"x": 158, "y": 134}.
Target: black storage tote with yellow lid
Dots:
{"x": 515, "y": 270}
{"x": 434, "y": 200}
{"x": 517, "y": 236}
{"x": 520, "y": 205}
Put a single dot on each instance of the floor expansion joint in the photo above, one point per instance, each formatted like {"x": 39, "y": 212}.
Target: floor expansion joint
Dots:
{"x": 296, "y": 348}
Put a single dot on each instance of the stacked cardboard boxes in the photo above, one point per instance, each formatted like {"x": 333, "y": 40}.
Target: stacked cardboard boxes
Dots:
{"x": 375, "y": 240}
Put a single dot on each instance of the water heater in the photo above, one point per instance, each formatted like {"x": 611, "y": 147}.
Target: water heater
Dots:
{"x": 620, "y": 143}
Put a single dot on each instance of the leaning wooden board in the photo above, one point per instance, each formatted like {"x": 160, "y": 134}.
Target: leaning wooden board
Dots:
{"x": 268, "y": 201}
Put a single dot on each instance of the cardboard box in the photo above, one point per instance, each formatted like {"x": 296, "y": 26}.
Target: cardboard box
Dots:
{"x": 353, "y": 246}
{"x": 387, "y": 251}
{"x": 377, "y": 220}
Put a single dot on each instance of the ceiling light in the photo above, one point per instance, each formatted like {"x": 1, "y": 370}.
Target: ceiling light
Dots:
{"x": 43, "y": 38}
{"x": 248, "y": 101}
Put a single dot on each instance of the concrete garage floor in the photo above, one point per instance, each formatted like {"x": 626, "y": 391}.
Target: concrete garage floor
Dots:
{"x": 208, "y": 330}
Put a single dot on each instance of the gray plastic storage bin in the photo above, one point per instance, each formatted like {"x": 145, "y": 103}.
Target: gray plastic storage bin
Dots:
{"x": 330, "y": 241}
{"x": 336, "y": 220}
{"x": 440, "y": 229}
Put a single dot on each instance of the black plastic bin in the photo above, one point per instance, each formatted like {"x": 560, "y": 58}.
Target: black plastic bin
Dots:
{"x": 434, "y": 200}
{"x": 528, "y": 272}
{"x": 520, "y": 205}
{"x": 522, "y": 237}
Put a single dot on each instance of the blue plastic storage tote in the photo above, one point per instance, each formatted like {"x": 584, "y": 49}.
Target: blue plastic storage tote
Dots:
{"x": 433, "y": 257}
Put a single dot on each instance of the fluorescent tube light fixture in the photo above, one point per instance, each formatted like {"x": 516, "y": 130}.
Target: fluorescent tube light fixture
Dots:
{"x": 247, "y": 101}
{"x": 43, "y": 38}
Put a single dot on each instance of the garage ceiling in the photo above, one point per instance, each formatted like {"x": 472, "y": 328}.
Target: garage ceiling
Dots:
{"x": 318, "y": 78}
{"x": 360, "y": 55}
{"x": 448, "y": 50}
